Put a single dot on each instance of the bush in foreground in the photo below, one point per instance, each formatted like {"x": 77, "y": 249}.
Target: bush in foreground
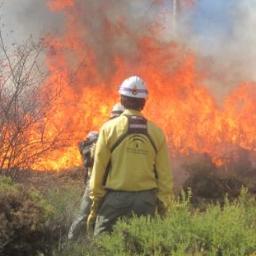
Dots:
{"x": 31, "y": 226}
{"x": 24, "y": 216}
{"x": 227, "y": 230}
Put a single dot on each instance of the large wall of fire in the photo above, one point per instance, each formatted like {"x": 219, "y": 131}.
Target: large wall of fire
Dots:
{"x": 92, "y": 55}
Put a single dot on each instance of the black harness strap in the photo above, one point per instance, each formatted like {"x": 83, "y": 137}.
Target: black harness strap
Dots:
{"x": 152, "y": 142}
{"x": 118, "y": 142}
{"x": 106, "y": 173}
{"x": 136, "y": 125}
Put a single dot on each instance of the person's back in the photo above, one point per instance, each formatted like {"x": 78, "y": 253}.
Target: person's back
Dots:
{"x": 135, "y": 152}
{"x": 137, "y": 149}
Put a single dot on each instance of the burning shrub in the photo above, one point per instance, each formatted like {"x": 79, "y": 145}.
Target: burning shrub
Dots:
{"x": 24, "y": 216}
{"x": 207, "y": 185}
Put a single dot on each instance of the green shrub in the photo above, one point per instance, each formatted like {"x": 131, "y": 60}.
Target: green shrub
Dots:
{"x": 65, "y": 199}
{"x": 227, "y": 231}
{"x": 24, "y": 216}
{"x": 30, "y": 224}
{"x": 33, "y": 222}
{"x": 82, "y": 247}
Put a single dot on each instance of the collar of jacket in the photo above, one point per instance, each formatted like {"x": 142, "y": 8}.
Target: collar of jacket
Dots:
{"x": 131, "y": 112}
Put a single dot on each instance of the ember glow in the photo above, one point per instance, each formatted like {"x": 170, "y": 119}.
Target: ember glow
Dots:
{"x": 179, "y": 102}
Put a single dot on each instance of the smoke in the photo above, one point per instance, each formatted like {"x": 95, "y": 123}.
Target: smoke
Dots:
{"x": 221, "y": 33}
{"x": 110, "y": 28}
{"x": 21, "y": 19}
{"x": 241, "y": 47}
{"x": 114, "y": 28}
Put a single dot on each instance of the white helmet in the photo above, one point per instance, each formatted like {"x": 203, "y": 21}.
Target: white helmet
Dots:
{"x": 117, "y": 110}
{"x": 134, "y": 87}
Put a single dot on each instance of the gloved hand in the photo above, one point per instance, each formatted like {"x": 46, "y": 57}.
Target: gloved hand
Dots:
{"x": 92, "y": 216}
{"x": 161, "y": 209}
{"x": 91, "y": 223}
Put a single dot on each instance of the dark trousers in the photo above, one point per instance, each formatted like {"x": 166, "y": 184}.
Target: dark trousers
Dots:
{"x": 118, "y": 204}
{"x": 79, "y": 223}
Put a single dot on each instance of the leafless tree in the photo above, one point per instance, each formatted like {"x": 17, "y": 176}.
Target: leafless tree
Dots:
{"x": 23, "y": 106}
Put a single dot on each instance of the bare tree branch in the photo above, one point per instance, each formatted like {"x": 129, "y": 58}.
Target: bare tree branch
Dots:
{"x": 23, "y": 120}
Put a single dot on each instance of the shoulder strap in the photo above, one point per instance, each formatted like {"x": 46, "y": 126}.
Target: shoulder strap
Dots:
{"x": 136, "y": 124}
{"x": 118, "y": 142}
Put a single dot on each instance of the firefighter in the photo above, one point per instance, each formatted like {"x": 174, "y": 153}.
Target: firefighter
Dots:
{"x": 131, "y": 172}
{"x": 87, "y": 148}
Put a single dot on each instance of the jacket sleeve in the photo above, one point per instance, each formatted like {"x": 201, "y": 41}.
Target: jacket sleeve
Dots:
{"x": 101, "y": 159}
{"x": 164, "y": 174}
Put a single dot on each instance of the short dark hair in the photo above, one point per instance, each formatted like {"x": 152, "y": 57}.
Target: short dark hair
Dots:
{"x": 132, "y": 103}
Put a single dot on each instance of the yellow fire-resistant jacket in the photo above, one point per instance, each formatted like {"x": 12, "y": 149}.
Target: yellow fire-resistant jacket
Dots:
{"x": 132, "y": 162}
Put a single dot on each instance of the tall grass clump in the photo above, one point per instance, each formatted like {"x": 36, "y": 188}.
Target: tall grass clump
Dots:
{"x": 65, "y": 199}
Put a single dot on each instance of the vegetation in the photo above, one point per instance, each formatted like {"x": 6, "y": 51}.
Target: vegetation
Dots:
{"x": 24, "y": 105}
{"x": 215, "y": 216}
{"x": 36, "y": 223}
{"x": 24, "y": 219}
{"x": 227, "y": 230}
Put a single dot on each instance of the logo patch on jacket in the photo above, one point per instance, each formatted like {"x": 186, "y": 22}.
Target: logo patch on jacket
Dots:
{"x": 136, "y": 144}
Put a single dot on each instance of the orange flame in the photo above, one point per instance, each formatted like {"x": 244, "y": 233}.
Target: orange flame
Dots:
{"x": 178, "y": 100}
{"x": 57, "y": 5}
